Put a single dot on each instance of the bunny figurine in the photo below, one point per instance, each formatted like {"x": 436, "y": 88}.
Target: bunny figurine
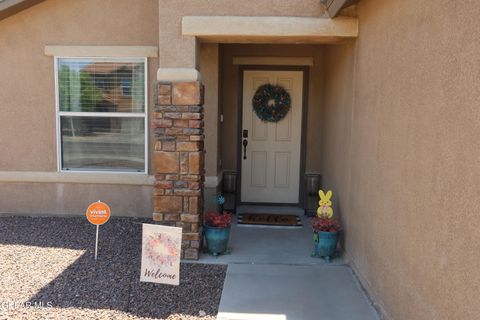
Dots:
{"x": 325, "y": 204}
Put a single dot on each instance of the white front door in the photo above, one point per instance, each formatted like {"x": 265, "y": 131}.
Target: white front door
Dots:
{"x": 271, "y": 170}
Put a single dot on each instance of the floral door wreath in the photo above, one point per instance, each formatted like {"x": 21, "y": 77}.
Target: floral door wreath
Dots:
{"x": 271, "y": 103}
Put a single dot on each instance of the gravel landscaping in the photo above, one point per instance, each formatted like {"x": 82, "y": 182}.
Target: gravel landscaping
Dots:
{"x": 47, "y": 271}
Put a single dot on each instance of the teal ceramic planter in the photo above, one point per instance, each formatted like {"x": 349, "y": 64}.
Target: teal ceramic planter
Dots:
{"x": 325, "y": 244}
{"x": 217, "y": 239}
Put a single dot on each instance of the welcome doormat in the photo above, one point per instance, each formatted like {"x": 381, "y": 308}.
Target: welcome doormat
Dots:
{"x": 266, "y": 219}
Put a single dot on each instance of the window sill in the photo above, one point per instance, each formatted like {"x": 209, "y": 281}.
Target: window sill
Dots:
{"x": 140, "y": 179}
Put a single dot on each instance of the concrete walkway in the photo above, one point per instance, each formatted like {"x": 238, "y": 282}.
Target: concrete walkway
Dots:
{"x": 271, "y": 276}
{"x": 281, "y": 292}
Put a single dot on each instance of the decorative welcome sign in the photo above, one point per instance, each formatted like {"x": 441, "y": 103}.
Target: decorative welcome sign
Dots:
{"x": 161, "y": 247}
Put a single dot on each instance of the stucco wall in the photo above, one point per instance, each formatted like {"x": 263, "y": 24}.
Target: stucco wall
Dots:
{"x": 337, "y": 125}
{"x": 180, "y": 51}
{"x": 231, "y": 77}
{"x": 27, "y": 93}
{"x": 401, "y": 152}
{"x": 209, "y": 68}
{"x": 74, "y": 198}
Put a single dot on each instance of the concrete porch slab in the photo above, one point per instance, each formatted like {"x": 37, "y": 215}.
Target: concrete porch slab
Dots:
{"x": 280, "y": 292}
{"x": 267, "y": 245}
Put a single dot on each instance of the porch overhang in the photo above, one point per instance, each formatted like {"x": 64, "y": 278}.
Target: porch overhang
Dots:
{"x": 235, "y": 29}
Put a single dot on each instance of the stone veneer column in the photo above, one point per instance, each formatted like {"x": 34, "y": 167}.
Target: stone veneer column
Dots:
{"x": 179, "y": 161}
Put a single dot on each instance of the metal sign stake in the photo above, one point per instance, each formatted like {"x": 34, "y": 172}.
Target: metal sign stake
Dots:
{"x": 96, "y": 242}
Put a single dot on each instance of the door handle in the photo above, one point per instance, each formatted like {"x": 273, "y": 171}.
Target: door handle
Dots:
{"x": 245, "y": 144}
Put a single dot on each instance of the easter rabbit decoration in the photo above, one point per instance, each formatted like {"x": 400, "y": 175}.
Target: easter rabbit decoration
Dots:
{"x": 325, "y": 228}
{"x": 325, "y": 204}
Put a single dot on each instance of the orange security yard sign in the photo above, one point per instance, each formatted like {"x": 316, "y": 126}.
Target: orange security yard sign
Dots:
{"x": 98, "y": 213}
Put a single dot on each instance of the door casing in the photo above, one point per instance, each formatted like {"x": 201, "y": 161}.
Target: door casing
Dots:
{"x": 303, "y": 138}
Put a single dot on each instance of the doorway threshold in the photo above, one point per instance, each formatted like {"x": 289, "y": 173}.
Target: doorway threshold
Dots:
{"x": 270, "y": 209}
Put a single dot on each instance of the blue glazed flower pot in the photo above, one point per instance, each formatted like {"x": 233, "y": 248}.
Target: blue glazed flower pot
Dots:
{"x": 217, "y": 239}
{"x": 325, "y": 244}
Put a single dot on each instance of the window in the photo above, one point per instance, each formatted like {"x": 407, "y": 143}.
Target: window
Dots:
{"x": 101, "y": 107}
{"x": 126, "y": 85}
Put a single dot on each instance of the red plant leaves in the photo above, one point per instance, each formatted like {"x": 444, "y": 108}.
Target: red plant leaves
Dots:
{"x": 218, "y": 220}
{"x": 325, "y": 224}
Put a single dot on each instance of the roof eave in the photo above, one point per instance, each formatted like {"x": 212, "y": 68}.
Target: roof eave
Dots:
{"x": 335, "y": 6}
{"x": 11, "y": 7}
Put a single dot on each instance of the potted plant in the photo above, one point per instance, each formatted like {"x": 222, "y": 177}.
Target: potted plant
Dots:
{"x": 325, "y": 228}
{"x": 217, "y": 231}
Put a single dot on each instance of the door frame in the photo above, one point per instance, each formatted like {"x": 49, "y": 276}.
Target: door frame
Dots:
{"x": 303, "y": 139}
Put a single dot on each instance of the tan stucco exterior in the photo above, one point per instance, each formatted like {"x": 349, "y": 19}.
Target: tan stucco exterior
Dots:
{"x": 177, "y": 50}
{"x": 73, "y": 198}
{"x": 27, "y": 97}
{"x": 24, "y": 36}
{"x": 209, "y": 68}
{"x": 31, "y": 40}
{"x": 392, "y": 127}
{"x": 400, "y": 151}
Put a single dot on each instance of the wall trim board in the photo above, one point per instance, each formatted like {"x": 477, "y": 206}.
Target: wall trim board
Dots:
{"x": 243, "y": 29}
{"x": 76, "y": 177}
{"x": 274, "y": 61}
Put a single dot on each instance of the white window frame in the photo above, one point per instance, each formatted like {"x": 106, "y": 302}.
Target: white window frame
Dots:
{"x": 59, "y": 113}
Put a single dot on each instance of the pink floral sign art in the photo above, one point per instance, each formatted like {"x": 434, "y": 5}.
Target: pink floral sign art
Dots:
{"x": 161, "y": 247}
